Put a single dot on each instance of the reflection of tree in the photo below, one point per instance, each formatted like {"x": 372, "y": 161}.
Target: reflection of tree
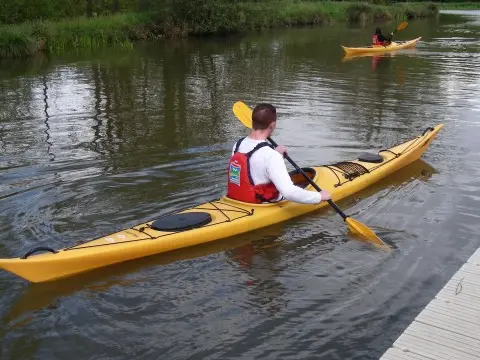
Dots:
{"x": 2, "y": 141}
{"x": 16, "y": 105}
{"x": 175, "y": 72}
{"x": 98, "y": 110}
{"x": 47, "y": 117}
{"x": 114, "y": 97}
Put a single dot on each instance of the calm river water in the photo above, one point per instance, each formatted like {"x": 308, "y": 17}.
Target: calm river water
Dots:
{"x": 93, "y": 143}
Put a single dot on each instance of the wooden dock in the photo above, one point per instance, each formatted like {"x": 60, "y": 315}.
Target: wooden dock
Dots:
{"x": 449, "y": 326}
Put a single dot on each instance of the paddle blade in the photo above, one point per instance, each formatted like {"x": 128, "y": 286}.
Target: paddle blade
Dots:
{"x": 402, "y": 26}
{"x": 358, "y": 228}
{"x": 243, "y": 113}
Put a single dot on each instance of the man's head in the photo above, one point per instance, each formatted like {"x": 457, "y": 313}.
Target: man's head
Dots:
{"x": 264, "y": 117}
{"x": 378, "y": 31}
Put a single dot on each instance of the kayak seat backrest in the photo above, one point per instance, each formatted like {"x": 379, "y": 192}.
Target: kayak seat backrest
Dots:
{"x": 298, "y": 178}
{"x": 371, "y": 158}
{"x": 182, "y": 221}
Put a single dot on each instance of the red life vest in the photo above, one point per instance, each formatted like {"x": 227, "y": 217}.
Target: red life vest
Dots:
{"x": 240, "y": 183}
{"x": 375, "y": 40}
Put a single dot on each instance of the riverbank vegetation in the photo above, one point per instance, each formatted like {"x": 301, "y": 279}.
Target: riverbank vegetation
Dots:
{"x": 58, "y": 25}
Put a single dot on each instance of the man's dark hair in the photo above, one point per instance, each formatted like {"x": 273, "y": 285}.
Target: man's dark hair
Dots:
{"x": 263, "y": 115}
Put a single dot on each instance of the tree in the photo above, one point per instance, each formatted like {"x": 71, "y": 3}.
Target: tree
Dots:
{"x": 89, "y": 8}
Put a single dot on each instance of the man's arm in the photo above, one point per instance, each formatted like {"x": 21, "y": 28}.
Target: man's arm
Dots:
{"x": 383, "y": 38}
{"x": 278, "y": 174}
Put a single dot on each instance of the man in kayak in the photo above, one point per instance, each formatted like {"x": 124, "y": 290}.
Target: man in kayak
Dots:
{"x": 379, "y": 39}
{"x": 257, "y": 172}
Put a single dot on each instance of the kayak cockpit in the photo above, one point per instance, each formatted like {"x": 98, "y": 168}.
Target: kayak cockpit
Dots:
{"x": 299, "y": 180}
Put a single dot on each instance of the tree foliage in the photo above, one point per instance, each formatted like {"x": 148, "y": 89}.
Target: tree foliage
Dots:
{"x": 16, "y": 11}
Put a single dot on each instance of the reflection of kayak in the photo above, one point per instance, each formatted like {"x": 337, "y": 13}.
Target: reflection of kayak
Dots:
{"x": 389, "y": 54}
{"x": 379, "y": 48}
{"x": 215, "y": 219}
{"x": 39, "y": 296}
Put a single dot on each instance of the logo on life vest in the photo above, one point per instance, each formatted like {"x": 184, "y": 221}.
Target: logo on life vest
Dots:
{"x": 234, "y": 174}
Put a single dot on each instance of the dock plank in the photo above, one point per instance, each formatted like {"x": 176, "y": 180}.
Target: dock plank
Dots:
{"x": 448, "y": 328}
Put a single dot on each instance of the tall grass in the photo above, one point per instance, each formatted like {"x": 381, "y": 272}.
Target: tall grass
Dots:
{"x": 29, "y": 38}
{"x": 94, "y": 32}
{"x": 16, "y": 41}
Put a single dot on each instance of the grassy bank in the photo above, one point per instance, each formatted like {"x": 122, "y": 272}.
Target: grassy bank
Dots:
{"x": 216, "y": 18}
{"x": 48, "y": 36}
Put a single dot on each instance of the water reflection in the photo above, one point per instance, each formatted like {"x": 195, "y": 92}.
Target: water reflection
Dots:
{"x": 98, "y": 109}
{"x": 39, "y": 296}
{"x": 2, "y": 141}
{"x": 180, "y": 96}
{"x": 47, "y": 116}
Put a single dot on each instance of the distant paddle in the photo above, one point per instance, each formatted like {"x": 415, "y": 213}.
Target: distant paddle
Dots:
{"x": 244, "y": 114}
{"x": 401, "y": 26}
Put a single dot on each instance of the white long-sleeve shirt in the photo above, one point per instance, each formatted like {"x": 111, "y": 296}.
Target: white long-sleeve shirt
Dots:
{"x": 267, "y": 165}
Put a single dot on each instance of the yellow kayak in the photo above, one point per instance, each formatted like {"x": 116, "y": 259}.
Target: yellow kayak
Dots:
{"x": 379, "y": 48}
{"x": 216, "y": 219}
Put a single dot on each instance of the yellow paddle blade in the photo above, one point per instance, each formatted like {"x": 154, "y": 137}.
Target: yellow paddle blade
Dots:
{"x": 243, "y": 113}
{"x": 358, "y": 228}
{"x": 402, "y": 26}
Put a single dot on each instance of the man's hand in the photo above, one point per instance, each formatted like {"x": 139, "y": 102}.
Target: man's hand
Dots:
{"x": 325, "y": 195}
{"x": 281, "y": 149}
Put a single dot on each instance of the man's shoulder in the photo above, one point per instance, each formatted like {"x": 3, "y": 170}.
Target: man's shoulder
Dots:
{"x": 271, "y": 153}
{"x": 262, "y": 146}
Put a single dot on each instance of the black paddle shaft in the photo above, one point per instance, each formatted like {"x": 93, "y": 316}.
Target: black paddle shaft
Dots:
{"x": 332, "y": 204}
